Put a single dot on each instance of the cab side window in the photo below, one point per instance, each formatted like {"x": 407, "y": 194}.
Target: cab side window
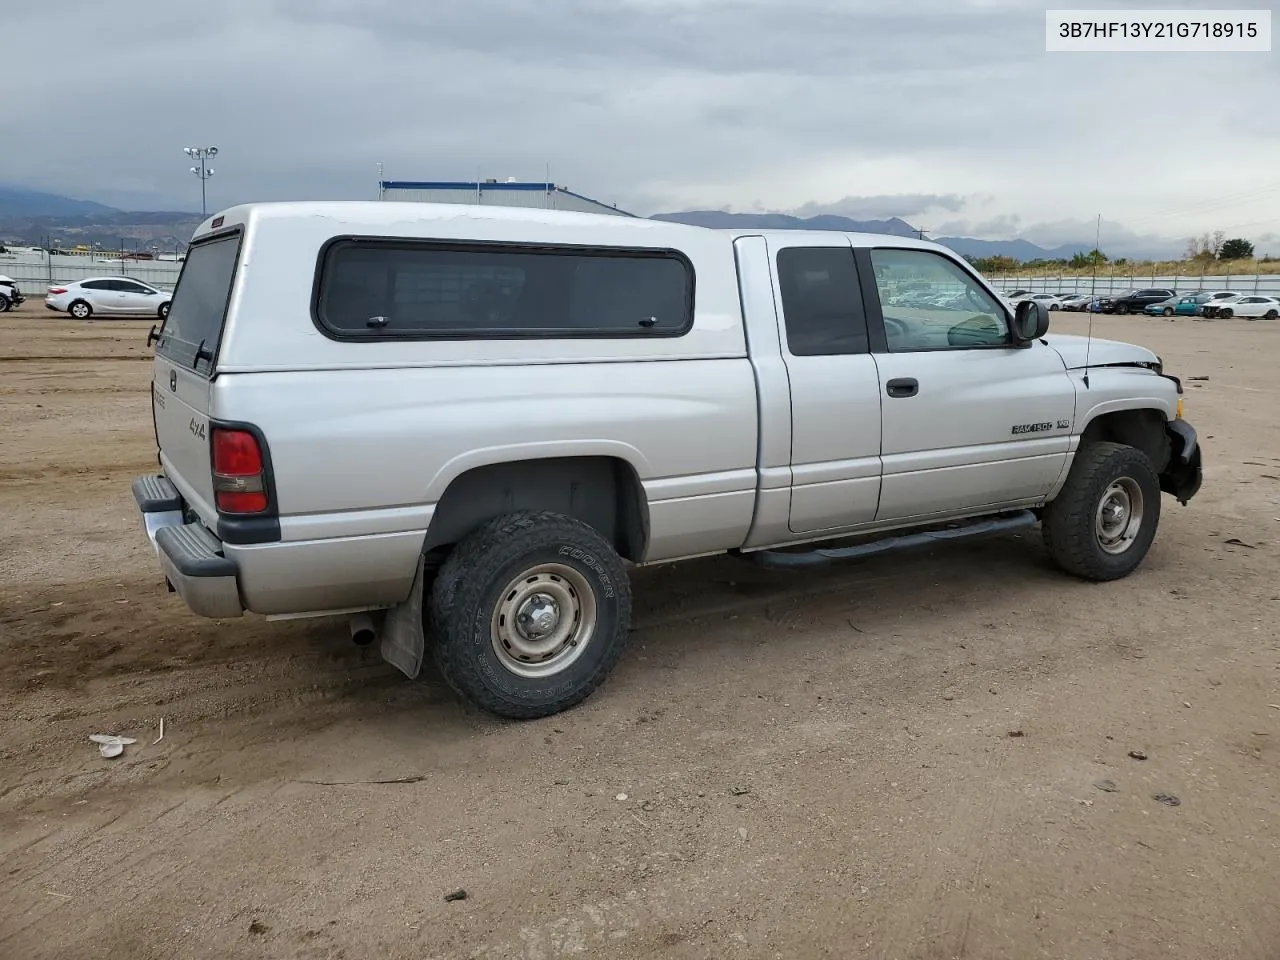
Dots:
{"x": 929, "y": 303}
{"x": 822, "y": 301}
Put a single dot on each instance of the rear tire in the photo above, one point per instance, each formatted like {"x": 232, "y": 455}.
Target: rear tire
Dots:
{"x": 529, "y": 614}
{"x": 80, "y": 310}
{"x": 1103, "y": 521}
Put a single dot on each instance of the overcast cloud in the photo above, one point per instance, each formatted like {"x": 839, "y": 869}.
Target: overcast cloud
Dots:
{"x": 948, "y": 113}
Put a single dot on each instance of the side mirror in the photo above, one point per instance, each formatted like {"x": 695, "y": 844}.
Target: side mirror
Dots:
{"x": 1030, "y": 322}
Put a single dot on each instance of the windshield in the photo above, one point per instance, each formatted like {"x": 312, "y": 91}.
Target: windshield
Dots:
{"x": 189, "y": 335}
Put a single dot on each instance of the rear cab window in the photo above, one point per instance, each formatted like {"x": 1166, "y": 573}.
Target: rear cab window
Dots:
{"x": 822, "y": 301}
{"x": 189, "y": 335}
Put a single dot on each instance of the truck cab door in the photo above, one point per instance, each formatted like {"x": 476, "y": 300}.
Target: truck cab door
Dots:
{"x": 971, "y": 423}
{"x": 835, "y": 395}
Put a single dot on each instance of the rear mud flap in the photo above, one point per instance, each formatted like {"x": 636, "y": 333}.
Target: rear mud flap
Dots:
{"x": 1182, "y": 475}
{"x": 403, "y": 641}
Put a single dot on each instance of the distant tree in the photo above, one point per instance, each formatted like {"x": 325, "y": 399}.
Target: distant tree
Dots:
{"x": 1201, "y": 248}
{"x": 1120, "y": 261}
{"x": 1236, "y": 248}
{"x": 1082, "y": 261}
{"x": 995, "y": 264}
{"x": 1219, "y": 238}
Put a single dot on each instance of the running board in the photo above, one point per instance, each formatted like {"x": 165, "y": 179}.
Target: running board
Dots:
{"x": 1002, "y": 523}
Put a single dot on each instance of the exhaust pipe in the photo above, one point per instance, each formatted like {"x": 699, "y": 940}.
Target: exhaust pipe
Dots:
{"x": 363, "y": 631}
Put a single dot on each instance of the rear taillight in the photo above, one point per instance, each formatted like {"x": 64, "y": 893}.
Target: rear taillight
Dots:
{"x": 239, "y": 484}
{"x": 54, "y": 291}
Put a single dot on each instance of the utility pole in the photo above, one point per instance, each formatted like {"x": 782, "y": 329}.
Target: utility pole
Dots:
{"x": 202, "y": 170}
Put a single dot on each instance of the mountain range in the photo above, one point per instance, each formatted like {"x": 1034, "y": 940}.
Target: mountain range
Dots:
{"x": 894, "y": 226}
{"x": 29, "y": 216}
{"x": 32, "y": 217}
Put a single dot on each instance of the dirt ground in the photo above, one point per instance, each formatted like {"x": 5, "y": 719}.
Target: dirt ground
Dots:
{"x": 899, "y": 758}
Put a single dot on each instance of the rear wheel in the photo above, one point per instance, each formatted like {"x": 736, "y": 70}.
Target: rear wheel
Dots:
{"x": 80, "y": 310}
{"x": 529, "y": 614}
{"x": 1102, "y": 524}
{"x": 1271, "y": 315}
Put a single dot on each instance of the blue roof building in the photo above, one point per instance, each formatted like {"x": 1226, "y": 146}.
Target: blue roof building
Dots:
{"x": 504, "y": 193}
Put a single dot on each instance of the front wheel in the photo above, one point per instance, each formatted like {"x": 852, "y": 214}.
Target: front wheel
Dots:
{"x": 1168, "y": 311}
{"x": 4, "y": 304}
{"x": 1224, "y": 313}
{"x": 1102, "y": 523}
{"x": 1120, "y": 309}
{"x": 529, "y": 614}
{"x": 163, "y": 311}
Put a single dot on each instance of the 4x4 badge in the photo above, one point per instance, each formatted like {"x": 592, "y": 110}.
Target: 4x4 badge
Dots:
{"x": 173, "y": 380}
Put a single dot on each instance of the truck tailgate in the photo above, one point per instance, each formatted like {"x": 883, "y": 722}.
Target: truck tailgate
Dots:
{"x": 180, "y": 402}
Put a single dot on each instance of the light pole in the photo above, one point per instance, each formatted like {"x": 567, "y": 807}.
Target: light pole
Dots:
{"x": 200, "y": 155}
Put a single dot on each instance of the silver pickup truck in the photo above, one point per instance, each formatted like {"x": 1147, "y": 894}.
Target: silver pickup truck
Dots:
{"x": 458, "y": 426}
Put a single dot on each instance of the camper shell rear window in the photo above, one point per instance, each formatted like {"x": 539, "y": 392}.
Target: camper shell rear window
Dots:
{"x": 398, "y": 289}
{"x": 190, "y": 333}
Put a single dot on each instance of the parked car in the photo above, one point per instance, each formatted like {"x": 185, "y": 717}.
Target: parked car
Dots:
{"x": 1134, "y": 301}
{"x": 1078, "y": 302}
{"x": 345, "y": 430}
{"x": 1246, "y": 306}
{"x": 10, "y": 295}
{"x": 1176, "y": 306}
{"x": 108, "y": 296}
{"x": 1051, "y": 301}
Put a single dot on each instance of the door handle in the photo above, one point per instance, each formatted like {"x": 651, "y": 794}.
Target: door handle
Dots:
{"x": 902, "y": 387}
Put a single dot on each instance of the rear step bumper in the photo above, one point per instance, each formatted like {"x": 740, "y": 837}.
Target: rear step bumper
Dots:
{"x": 190, "y": 555}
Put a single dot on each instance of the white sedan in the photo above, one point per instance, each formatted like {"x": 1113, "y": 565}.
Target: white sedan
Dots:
{"x": 1051, "y": 301}
{"x": 1249, "y": 307}
{"x": 113, "y": 296}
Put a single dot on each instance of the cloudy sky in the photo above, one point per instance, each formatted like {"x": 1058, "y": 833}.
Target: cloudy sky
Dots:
{"x": 948, "y": 113}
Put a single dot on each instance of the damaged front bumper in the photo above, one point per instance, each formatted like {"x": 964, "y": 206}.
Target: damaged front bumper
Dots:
{"x": 1182, "y": 475}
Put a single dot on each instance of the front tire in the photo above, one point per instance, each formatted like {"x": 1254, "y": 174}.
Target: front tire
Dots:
{"x": 4, "y": 304}
{"x": 529, "y": 614}
{"x": 163, "y": 311}
{"x": 1224, "y": 314}
{"x": 1102, "y": 524}
{"x": 1168, "y": 311}
{"x": 80, "y": 310}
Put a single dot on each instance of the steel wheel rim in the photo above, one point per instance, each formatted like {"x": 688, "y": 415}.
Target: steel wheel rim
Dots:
{"x": 1118, "y": 519}
{"x": 543, "y": 621}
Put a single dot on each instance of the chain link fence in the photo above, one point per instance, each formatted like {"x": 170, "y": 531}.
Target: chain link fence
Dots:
{"x": 36, "y": 272}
